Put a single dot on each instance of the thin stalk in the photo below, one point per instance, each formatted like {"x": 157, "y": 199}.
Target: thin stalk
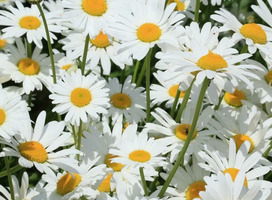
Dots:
{"x": 12, "y": 171}
{"x": 219, "y": 101}
{"x": 48, "y": 42}
{"x": 135, "y": 71}
{"x": 84, "y": 57}
{"x": 197, "y": 6}
{"x": 6, "y": 160}
{"x": 29, "y": 100}
{"x": 80, "y": 132}
{"x": 184, "y": 101}
{"x": 152, "y": 186}
{"x": 180, "y": 158}
{"x": 244, "y": 49}
{"x": 175, "y": 103}
{"x": 29, "y": 49}
{"x": 143, "y": 181}
{"x": 122, "y": 78}
{"x": 74, "y": 135}
{"x": 147, "y": 84}
{"x": 140, "y": 78}
{"x": 265, "y": 154}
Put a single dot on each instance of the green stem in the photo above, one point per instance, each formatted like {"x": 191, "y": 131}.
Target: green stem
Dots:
{"x": 197, "y": 6}
{"x": 175, "y": 103}
{"x": 80, "y": 132}
{"x": 180, "y": 158}
{"x": 48, "y": 42}
{"x": 143, "y": 181}
{"x": 184, "y": 101}
{"x": 219, "y": 101}
{"x": 74, "y": 134}
{"x": 265, "y": 154}
{"x": 29, "y": 49}
{"x": 152, "y": 186}
{"x": 244, "y": 49}
{"x": 147, "y": 84}
{"x": 12, "y": 171}
{"x": 29, "y": 100}
{"x": 122, "y": 78}
{"x": 84, "y": 58}
{"x": 6, "y": 160}
{"x": 135, "y": 71}
{"x": 142, "y": 73}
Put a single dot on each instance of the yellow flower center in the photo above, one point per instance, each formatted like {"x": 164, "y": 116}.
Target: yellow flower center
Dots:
{"x": 233, "y": 173}
{"x": 236, "y": 98}
{"x": 2, "y": 116}
{"x": 81, "y": 97}
{"x": 67, "y": 183}
{"x": 212, "y": 61}
{"x": 30, "y": 22}
{"x": 180, "y": 6}
{"x": 148, "y": 32}
{"x": 94, "y": 7}
{"x": 173, "y": 91}
{"x": 140, "y": 156}
{"x": 255, "y": 32}
{"x": 2, "y": 43}
{"x": 183, "y": 130}
{"x": 115, "y": 166}
{"x": 268, "y": 77}
{"x": 33, "y": 151}
{"x": 28, "y": 66}
{"x": 121, "y": 100}
{"x": 105, "y": 185}
{"x": 101, "y": 40}
{"x": 240, "y": 139}
{"x": 194, "y": 189}
{"x": 66, "y": 67}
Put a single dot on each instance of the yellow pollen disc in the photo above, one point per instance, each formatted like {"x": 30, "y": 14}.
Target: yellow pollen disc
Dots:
{"x": 101, "y": 40}
{"x": 180, "y": 6}
{"x": 30, "y": 22}
{"x": 140, "y": 156}
{"x": 148, "y": 32}
{"x": 81, "y": 97}
{"x": 240, "y": 139}
{"x": 66, "y": 67}
{"x": 33, "y": 151}
{"x": 236, "y": 98}
{"x": 173, "y": 91}
{"x": 105, "y": 185}
{"x": 268, "y": 77}
{"x": 194, "y": 189}
{"x": 255, "y": 32}
{"x": 233, "y": 173}
{"x": 94, "y": 7}
{"x": 183, "y": 130}
{"x": 121, "y": 100}
{"x": 28, "y": 66}
{"x": 67, "y": 183}
{"x": 115, "y": 166}
{"x": 212, "y": 61}
{"x": 2, "y": 43}
{"x": 2, "y": 116}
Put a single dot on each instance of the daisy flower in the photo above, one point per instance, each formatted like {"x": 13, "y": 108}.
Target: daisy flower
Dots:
{"x": 233, "y": 161}
{"x": 13, "y": 113}
{"x": 24, "y": 20}
{"x": 187, "y": 182}
{"x": 138, "y": 33}
{"x": 137, "y": 150}
{"x": 225, "y": 188}
{"x": 80, "y": 97}
{"x": 255, "y": 35}
{"x": 174, "y": 134}
{"x": 66, "y": 64}
{"x": 31, "y": 72}
{"x": 36, "y": 147}
{"x": 126, "y": 101}
{"x": 184, "y": 6}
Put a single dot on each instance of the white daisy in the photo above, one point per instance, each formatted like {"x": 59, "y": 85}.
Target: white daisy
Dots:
{"x": 36, "y": 147}
{"x": 24, "y": 20}
{"x": 81, "y": 97}
{"x": 256, "y": 35}
{"x": 31, "y": 72}
{"x": 184, "y": 6}
{"x": 126, "y": 101}
{"x": 148, "y": 24}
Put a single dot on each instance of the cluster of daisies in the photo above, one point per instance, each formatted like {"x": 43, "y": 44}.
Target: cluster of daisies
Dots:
{"x": 141, "y": 101}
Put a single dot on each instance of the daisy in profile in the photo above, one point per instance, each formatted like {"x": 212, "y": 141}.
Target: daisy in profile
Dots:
{"x": 138, "y": 34}
{"x": 13, "y": 113}
{"x": 81, "y": 97}
{"x": 24, "y": 20}
{"x": 66, "y": 64}
{"x": 226, "y": 188}
{"x": 126, "y": 100}
{"x": 31, "y": 72}
{"x": 38, "y": 147}
{"x": 256, "y": 35}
